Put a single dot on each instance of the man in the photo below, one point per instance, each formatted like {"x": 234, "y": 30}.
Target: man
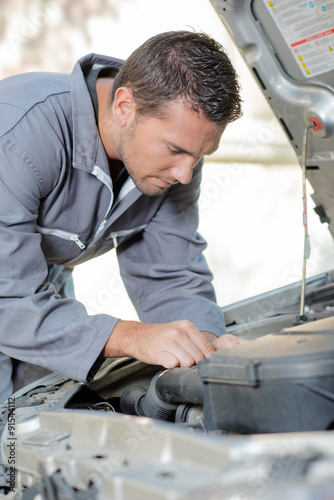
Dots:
{"x": 111, "y": 158}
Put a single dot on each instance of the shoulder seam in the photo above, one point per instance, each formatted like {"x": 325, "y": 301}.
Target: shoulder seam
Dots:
{"x": 23, "y": 156}
{"x": 27, "y": 110}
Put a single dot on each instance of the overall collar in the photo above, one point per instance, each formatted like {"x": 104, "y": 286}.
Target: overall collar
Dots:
{"x": 88, "y": 149}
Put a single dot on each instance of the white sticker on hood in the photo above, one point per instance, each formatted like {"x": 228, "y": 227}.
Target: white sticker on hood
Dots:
{"x": 308, "y": 29}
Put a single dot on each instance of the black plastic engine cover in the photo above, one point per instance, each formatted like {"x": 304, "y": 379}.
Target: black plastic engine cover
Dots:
{"x": 278, "y": 383}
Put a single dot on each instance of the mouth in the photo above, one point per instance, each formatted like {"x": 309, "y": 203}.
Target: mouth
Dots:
{"x": 164, "y": 183}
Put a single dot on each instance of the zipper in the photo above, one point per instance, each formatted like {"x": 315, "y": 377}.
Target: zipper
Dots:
{"x": 124, "y": 232}
{"x": 105, "y": 179}
{"x": 64, "y": 235}
{"x": 114, "y": 239}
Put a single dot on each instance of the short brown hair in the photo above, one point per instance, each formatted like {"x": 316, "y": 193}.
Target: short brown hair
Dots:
{"x": 182, "y": 64}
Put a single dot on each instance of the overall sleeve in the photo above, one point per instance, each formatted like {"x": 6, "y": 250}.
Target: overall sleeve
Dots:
{"x": 163, "y": 268}
{"x": 36, "y": 325}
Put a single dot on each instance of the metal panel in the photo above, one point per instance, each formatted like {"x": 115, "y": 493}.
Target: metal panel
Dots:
{"x": 297, "y": 99}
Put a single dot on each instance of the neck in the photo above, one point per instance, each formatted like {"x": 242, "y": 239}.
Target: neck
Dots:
{"x": 106, "y": 124}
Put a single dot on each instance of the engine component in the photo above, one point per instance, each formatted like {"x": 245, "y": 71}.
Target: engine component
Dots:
{"x": 167, "y": 390}
{"x": 277, "y": 383}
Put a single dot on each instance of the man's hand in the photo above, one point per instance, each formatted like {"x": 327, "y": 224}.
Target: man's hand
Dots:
{"x": 223, "y": 342}
{"x": 170, "y": 345}
{"x": 227, "y": 340}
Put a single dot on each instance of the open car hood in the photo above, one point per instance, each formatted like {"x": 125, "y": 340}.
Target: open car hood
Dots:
{"x": 289, "y": 48}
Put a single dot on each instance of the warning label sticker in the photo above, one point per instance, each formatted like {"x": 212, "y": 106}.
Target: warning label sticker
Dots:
{"x": 308, "y": 29}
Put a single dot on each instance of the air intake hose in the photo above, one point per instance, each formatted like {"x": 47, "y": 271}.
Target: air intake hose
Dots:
{"x": 167, "y": 390}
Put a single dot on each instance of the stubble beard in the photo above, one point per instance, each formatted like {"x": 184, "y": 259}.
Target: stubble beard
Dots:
{"x": 127, "y": 157}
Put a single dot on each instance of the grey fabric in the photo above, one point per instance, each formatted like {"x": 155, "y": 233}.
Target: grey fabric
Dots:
{"x": 62, "y": 279}
{"x": 57, "y": 208}
{"x": 6, "y": 384}
{"x": 15, "y": 374}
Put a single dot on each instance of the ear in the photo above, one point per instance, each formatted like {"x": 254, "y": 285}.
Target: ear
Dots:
{"x": 124, "y": 106}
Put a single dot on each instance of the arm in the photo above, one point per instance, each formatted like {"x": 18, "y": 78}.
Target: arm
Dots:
{"x": 164, "y": 270}
{"x": 170, "y": 285}
{"x": 36, "y": 325}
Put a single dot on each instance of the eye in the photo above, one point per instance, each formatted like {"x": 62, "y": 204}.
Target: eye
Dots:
{"x": 175, "y": 151}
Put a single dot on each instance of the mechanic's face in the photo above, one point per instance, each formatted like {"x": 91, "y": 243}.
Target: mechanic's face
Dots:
{"x": 160, "y": 152}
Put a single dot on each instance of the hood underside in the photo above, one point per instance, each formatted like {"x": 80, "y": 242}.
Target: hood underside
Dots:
{"x": 289, "y": 48}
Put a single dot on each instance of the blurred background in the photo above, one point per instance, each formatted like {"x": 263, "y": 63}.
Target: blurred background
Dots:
{"x": 251, "y": 199}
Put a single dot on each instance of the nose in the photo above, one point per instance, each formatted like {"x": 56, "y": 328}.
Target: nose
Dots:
{"x": 183, "y": 171}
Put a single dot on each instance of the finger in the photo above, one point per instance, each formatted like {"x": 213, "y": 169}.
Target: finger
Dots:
{"x": 226, "y": 341}
{"x": 241, "y": 340}
{"x": 183, "y": 347}
{"x": 198, "y": 339}
{"x": 168, "y": 360}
